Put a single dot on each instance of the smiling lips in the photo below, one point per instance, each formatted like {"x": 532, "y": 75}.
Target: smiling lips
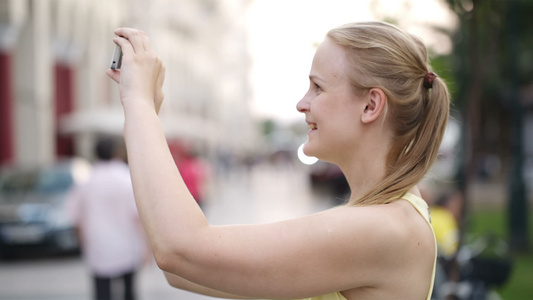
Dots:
{"x": 311, "y": 126}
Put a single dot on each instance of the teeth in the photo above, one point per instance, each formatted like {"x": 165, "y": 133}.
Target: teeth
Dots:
{"x": 311, "y": 126}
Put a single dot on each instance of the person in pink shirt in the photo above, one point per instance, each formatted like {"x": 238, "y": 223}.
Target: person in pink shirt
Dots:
{"x": 103, "y": 208}
{"x": 192, "y": 170}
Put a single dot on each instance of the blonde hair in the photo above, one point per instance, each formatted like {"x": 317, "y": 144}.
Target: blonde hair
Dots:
{"x": 383, "y": 56}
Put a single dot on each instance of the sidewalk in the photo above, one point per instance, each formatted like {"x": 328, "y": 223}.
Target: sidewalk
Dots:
{"x": 263, "y": 194}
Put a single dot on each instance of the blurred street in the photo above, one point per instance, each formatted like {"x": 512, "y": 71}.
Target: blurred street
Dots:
{"x": 261, "y": 194}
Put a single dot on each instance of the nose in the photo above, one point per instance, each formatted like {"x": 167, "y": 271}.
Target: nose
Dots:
{"x": 303, "y": 105}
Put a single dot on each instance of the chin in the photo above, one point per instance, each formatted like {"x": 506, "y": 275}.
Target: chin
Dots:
{"x": 322, "y": 153}
{"x": 310, "y": 150}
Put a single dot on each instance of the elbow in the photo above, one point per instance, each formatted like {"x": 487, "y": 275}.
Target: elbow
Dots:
{"x": 174, "y": 256}
{"x": 174, "y": 253}
{"x": 166, "y": 259}
{"x": 165, "y": 249}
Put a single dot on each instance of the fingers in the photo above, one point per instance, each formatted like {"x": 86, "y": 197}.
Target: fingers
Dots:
{"x": 161, "y": 76}
{"x": 146, "y": 42}
{"x": 159, "y": 96}
{"x": 131, "y": 41}
{"x": 124, "y": 44}
{"x": 138, "y": 39}
{"x": 114, "y": 74}
{"x": 142, "y": 73}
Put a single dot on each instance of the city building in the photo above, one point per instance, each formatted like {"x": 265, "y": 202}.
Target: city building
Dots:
{"x": 55, "y": 98}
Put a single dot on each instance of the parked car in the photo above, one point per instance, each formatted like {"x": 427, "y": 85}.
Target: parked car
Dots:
{"x": 328, "y": 176}
{"x": 32, "y": 208}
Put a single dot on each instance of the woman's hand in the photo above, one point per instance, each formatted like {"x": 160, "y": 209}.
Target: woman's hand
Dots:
{"x": 142, "y": 73}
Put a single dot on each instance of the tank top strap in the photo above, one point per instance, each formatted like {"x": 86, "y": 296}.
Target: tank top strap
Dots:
{"x": 423, "y": 209}
{"x": 420, "y": 205}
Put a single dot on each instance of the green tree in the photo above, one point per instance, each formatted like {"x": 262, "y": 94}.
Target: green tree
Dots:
{"x": 492, "y": 62}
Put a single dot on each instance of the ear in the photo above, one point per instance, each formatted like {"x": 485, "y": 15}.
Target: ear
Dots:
{"x": 376, "y": 101}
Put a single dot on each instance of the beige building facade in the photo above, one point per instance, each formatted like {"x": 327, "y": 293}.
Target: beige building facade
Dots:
{"x": 55, "y": 98}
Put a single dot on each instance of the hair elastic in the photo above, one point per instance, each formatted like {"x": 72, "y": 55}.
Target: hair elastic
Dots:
{"x": 428, "y": 80}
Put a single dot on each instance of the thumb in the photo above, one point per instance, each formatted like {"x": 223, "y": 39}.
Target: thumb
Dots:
{"x": 114, "y": 74}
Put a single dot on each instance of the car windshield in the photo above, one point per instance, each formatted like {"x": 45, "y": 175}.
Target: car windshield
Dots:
{"x": 54, "y": 181}
{"x": 41, "y": 181}
{"x": 18, "y": 182}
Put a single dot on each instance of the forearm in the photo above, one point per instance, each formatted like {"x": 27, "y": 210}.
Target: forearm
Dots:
{"x": 168, "y": 212}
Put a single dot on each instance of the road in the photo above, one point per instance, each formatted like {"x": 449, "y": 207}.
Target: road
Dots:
{"x": 263, "y": 194}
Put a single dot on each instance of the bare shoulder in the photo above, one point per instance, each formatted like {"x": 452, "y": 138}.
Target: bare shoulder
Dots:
{"x": 400, "y": 243}
{"x": 407, "y": 229}
{"x": 397, "y": 222}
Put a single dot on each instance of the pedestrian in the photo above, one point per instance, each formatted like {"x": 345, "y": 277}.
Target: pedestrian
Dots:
{"x": 193, "y": 171}
{"x": 112, "y": 240}
{"x": 374, "y": 108}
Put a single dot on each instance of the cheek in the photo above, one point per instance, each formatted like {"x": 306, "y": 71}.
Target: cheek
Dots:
{"x": 344, "y": 128}
{"x": 336, "y": 116}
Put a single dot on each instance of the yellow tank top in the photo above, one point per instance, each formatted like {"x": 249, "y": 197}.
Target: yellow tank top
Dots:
{"x": 422, "y": 208}
{"x": 332, "y": 296}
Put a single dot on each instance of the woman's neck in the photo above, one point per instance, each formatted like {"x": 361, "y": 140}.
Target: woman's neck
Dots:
{"x": 362, "y": 178}
{"x": 365, "y": 169}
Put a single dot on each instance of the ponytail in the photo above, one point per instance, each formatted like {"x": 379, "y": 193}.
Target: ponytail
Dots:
{"x": 385, "y": 57}
{"x": 409, "y": 162}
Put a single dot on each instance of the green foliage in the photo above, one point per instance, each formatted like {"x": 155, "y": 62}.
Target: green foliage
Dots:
{"x": 483, "y": 222}
{"x": 492, "y": 63}
{"x": 268, "y": 127}
{"x": 519, "y": 286}
{"x": 493, "y": 45}
{"x": 488, "y": 222}
{"x": 442, "y": 66}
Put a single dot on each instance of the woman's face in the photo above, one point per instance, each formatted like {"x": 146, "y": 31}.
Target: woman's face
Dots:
{"x": 332, "y": 109}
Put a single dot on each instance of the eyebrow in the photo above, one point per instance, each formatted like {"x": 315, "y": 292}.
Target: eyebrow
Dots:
{"x": 313, "y": 77}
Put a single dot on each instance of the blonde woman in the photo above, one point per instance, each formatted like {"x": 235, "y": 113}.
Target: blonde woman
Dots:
{"x": 375, "y": 108}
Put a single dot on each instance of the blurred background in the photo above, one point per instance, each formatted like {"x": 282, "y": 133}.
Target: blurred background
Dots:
{"x": 235, "y": 70}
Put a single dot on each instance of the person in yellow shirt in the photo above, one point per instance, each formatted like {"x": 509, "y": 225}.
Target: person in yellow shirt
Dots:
{"x": 445, "y": 223}
{"x": 374, "y": 108}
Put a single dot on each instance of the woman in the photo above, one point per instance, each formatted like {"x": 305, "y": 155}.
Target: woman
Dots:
{"x": 376, "y": 110}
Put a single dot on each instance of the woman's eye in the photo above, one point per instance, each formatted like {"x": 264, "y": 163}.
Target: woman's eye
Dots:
{"x": 318, "y": 88}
